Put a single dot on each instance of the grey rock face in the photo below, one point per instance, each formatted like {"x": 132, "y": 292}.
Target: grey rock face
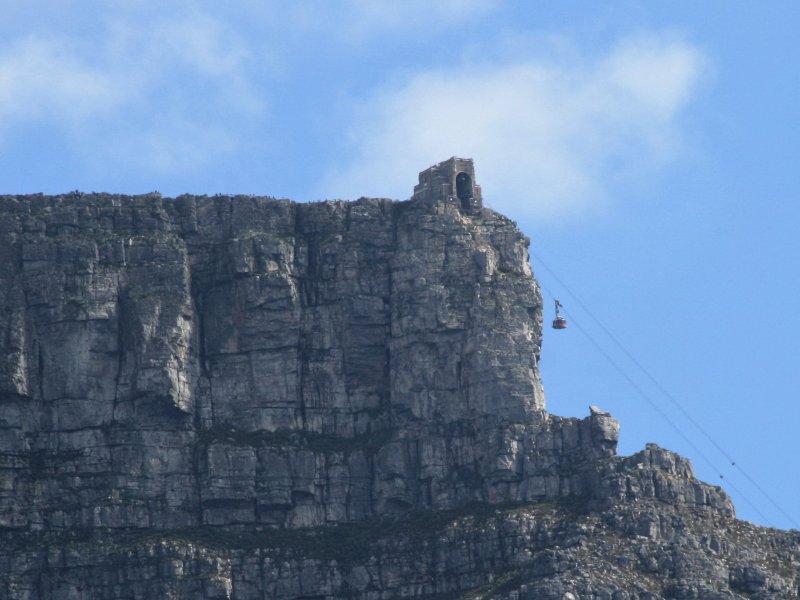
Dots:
{"x": 199, "y": 396}
{"x": 244, "y": 360}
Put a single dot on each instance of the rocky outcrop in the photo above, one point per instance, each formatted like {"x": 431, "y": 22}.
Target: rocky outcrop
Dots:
{"x": 246, "y": 397}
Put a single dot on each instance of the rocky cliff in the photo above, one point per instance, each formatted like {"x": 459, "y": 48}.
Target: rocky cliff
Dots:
{"x": 239, "y": 397}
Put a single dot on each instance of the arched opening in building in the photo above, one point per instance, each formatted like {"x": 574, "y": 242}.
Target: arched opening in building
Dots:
{"x": 464, "y": 189}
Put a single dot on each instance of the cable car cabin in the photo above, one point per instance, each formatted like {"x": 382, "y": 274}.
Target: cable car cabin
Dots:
{"x": 559, "y": 322}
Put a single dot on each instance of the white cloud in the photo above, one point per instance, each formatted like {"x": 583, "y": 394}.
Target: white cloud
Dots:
{"x": 172, "y": 82}
{"x": 43, "y": 78}
{"x": 548, "y": 136}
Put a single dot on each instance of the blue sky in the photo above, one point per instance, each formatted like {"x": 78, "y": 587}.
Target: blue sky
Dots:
{"x": 649, "y": 149}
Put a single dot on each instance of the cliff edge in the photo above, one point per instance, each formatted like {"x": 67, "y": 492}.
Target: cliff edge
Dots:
{"x": 244, "y": 397}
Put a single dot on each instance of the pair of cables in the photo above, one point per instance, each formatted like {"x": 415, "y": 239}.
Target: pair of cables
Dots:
{"x": 666, "y": 394}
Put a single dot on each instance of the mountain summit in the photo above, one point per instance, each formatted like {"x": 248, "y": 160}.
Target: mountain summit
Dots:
{"x": 243, "y": 397}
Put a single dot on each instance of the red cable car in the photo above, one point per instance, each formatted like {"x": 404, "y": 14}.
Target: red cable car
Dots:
{"x": 559, "y": 322}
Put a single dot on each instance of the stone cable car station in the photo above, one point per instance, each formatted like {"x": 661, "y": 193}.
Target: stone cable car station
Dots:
{"x": 453, "y": 181}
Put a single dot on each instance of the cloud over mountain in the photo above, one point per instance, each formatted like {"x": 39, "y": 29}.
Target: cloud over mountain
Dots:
{"x": 548, "y": 135}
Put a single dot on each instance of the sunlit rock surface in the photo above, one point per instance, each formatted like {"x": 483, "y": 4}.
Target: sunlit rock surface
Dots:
{"x": 250, "y": 398}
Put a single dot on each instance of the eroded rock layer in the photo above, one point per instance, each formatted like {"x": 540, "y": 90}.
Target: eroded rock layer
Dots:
{"x": 195, "y": 393}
